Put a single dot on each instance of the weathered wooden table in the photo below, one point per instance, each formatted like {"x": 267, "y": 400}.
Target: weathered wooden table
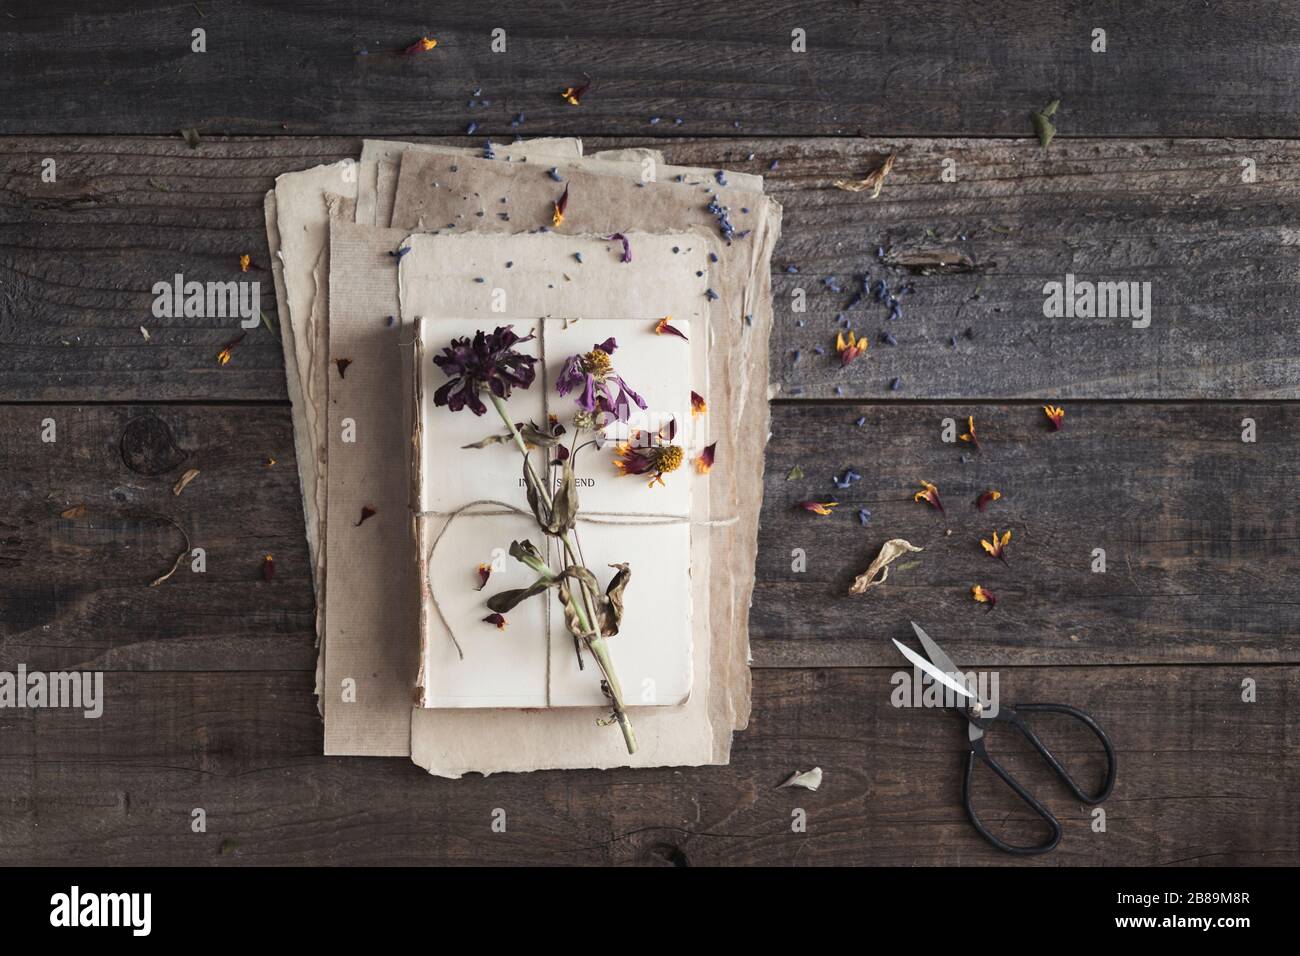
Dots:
{"x": 209, "y": 676}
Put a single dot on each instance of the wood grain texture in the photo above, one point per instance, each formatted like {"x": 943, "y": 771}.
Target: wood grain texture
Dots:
{"x": 1201, "y": 545}
{"x": 76, "y": 589}
{"x": 1204, "y": 779}
{"x": 1202, "y": 550}
{"x": 79, "y": 257}
{"x": 900, "y": 67}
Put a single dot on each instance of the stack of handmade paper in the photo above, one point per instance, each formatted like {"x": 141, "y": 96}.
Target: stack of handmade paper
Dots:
{"x": 379, "y": 265}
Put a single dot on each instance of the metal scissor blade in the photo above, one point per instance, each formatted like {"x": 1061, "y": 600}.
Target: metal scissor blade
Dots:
{"x": 935, "y": 672}
{"x": 935, "y": 651}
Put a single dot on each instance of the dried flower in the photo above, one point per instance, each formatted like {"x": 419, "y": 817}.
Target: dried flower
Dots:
{"x": 930, "y": 494}
{"x": 663, "y": 327}
{"x": 878, "y": 571}
{"x": 1055, "y": 415}
{"x": 984, "y": 500}
{"x": 874, "y": 180}
{"x": 970, "y": 436}
{"x": 998, "y": 546}
{"x": 627, "y": 246}
{"x": 594, "y": 373}
{"x": 497, "y": 619}
{"x": 573, "y": 94}
{"x": 984, "y": 596}
{"x": 705, "y": 461}
{"x": 849, "y": 348}
{"x": 795, "y": 473}
{"x": 818, "y": 507}
{"x": 484, "y": 573}
{"x": 223, "y": 357}
{"x": 558, "y": 207}
{"x": 488, "y": 361}
{"x": 698, "y": 405}
{"x": 422, "y": 45}
{"x": 655, "y": 461}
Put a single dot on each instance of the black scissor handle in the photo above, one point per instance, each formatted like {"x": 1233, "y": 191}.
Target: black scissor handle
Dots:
{"x": 978, "y": 754}
{"x": 1112, "y": 764}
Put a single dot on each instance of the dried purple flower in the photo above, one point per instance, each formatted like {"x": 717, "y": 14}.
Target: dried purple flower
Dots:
{"x": 488, "y": 361}
{"x": 593, "y": 373}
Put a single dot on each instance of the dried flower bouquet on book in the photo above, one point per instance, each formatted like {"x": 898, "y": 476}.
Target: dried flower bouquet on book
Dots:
{"x": 560, "y": 575}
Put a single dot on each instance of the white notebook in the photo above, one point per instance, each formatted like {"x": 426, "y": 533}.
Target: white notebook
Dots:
{"x": 531, "y": 662}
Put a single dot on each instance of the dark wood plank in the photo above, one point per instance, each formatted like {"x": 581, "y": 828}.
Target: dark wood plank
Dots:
{"x": 79, "y": 257}
{"x": 1204, "y": 779}
{"x": 919, "y": 67}
{"x": 1202, "y": 546}
{"x": 76, "y": 590}
{"x": 1201, "y": 543}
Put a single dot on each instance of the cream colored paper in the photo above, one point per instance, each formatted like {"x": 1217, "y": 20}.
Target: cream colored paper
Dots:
{"x": 653, "y": 651}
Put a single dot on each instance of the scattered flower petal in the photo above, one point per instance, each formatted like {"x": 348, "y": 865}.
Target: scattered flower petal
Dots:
{"x": 366, "y": 512}
{"x": 986, "y": 499}
{"x": 422, "y": 45}
{"x": 664, "y": 328}
{"x": 849, "y": 348}
{"x": 819, "y": 507}
{"x": 627, "y": 246}
{"x": 343, "y": 364}
{"x": 223, "y": 357}
{"x": 698, "y": 405}
{"x": 930, "y": 494}
{"x": 496, "y": 619}
{"x": 573, "y": 94}
{"x": 984, "y": 596}
{"x": 808, "y": 780}
{"x": 268, "y": 568}
{"x": 705, "y": 461}
{"x": 970, "y": 436}
{"x": 558, "y": 207}
{"x": 1055, "y": 415}
{"x": 998, "y": 546}
{"x": 484, "y": 573}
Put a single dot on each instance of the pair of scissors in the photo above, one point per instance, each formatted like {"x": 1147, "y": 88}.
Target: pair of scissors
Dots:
{"x": 978, "y": 719}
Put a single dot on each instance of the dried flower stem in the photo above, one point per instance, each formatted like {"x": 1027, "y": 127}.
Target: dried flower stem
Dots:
{"x": 584, "y": 611}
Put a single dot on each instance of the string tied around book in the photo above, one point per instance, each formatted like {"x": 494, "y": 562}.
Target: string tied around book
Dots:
{"x": 629, "y": 518}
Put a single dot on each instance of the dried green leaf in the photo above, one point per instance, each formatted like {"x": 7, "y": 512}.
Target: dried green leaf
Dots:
{"x": 1044, "y": 128}
{"x": 507, "y": 600}
{"x": 795, "y": 473}
{"x": 191, "y": 137}
{"x": 564, "y": 510}
{"x": 500, "y": 439}
{"x": 525, "y": 552}
{"x": 612, "y": 608}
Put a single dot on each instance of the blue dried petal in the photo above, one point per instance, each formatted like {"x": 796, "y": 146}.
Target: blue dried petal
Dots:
{"x": 888, "y": 339}
{"x": 471, "y": 129}
{"x": 554, "y": 173}
{"x": 775, "y": 163}
{"x": 895, "y": 384}
{"x": 710, "y": 294}
{"x": 654, "y": 121}
{"x": 721, "y": 177}
{"x": 578, "y": 256}
{"x": 861, "y": 421}
{"x": 864, "y": 516}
